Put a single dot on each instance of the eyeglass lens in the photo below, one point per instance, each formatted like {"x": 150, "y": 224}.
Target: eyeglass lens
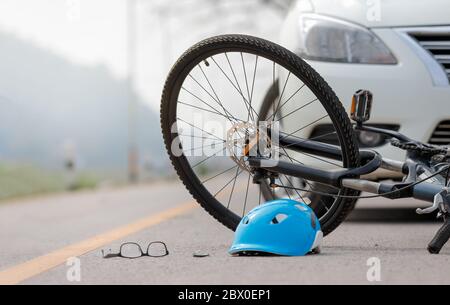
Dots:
{"x": 157, "y": 249}
{"x": 131, "y": 250}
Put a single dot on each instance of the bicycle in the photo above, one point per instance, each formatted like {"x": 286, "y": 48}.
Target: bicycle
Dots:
{"x": 225, "y": 79}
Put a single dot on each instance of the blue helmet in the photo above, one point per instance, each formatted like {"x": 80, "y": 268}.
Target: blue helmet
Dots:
{"x": 280, "y": 227}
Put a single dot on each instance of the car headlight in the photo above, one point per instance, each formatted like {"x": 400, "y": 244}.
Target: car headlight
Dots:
{"x": 328, "y": 39}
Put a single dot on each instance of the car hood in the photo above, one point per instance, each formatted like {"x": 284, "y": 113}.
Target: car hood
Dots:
{"x": 383, "y": 13}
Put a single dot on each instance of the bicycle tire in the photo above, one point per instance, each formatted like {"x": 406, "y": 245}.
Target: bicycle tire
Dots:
{"x": 297, "y": 66}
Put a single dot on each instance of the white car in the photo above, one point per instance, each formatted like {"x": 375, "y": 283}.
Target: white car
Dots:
{"x": 398, "y": 49}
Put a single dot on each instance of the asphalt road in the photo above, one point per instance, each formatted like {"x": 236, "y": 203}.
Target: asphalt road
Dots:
{"x": 38, "y": 235}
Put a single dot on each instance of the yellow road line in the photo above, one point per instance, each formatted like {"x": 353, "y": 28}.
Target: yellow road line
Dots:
{"x": 21, "y": 272}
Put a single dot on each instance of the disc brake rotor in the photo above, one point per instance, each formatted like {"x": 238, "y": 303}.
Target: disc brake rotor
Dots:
{"x": 245, "y": 139}
{"x": 239, "y": 138}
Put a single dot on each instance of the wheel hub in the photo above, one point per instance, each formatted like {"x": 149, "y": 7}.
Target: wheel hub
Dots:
{"x": 242, "y": 139}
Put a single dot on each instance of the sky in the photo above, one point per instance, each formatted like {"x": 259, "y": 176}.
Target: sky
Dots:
{"x": 94, "y": 32}
{"x": 87, "y": 32}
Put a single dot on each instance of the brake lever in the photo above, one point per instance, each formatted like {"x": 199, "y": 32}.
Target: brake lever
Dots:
{"x": 437, "y": 201}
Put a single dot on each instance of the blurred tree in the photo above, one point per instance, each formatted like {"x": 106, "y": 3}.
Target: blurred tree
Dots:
{"x": 166, "y": 28}
{"x": 243, "y": 13}
{"x": 280, "y": 5}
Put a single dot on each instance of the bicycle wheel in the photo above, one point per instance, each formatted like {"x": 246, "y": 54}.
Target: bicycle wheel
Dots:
{"x": 213, "y": 90}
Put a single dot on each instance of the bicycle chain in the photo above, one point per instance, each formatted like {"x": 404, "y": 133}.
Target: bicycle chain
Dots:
{"x": 425, "y": 149}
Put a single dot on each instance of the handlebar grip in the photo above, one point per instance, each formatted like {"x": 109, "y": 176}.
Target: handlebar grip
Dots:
{"x": 441, "y": 238}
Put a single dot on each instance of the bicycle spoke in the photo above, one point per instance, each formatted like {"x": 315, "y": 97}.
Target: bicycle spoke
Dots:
{"x": 214, "y": 91}
{"x": 204, "y": 138}
{"x": 234, "y": 74}
{"x": 214, "y": 177}
{"x": 281, "y": 96}
{"x": 231, "y": 82}
{"x": 201, "y": 162}
{"x": 321, "y": 201}
{"x": 199, "y": 147}
{"x": 207, "y": 104}
{"x": 200, "y": 129}
{"x": 299, "y": 108}
{"x": 290, "y": 98}
{"x": 273, "y": 86}
{"x": 200, "y": 108}
{"x": 250, "y": 115}
{"x": 303, "y": 127}
{"x": 207, "y": 92}
{"x": 314, "y": 191}
{"x": 306, "y": 154}
{"x": 238, "y": 88}
{"x": 307, "y": 182}
{"x": 281, "y": 181}
{"x": 246, "y": 195}
{"x": 234, "y": 184}
{"x": 292, "y": 159}
{"x": 296, "y": 191}
{"x": 254, "y": 78}
{"x": 227, "y": 184}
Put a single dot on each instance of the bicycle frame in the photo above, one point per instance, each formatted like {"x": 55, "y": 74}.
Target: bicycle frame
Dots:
{"x": 412, "y": 168}
{"x": 432, "y": 188}
{"x": 425, "y": 172}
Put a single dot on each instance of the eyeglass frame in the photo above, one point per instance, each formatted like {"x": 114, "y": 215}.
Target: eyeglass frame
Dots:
{"x": 143, "y": 254}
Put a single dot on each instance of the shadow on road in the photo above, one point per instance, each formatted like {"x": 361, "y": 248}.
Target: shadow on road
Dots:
{"x": 389, "y": 215}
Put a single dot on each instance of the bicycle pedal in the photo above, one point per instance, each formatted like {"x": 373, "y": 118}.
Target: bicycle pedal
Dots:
{"x": 361, "y": 106}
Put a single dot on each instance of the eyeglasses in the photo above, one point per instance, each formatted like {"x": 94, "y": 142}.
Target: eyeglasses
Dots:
{"x": 134, "y": 250}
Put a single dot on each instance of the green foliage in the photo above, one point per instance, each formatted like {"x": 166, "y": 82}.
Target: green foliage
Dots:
{"x": 26, "y": 180}
{"x": 84, "y": 181}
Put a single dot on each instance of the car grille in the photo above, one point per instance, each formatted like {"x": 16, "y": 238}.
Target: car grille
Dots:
{"x": 438, "y": 44}
{"x": 441, "y": 135}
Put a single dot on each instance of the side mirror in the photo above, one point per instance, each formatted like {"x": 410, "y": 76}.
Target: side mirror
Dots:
{"x": 361, "y": 106}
